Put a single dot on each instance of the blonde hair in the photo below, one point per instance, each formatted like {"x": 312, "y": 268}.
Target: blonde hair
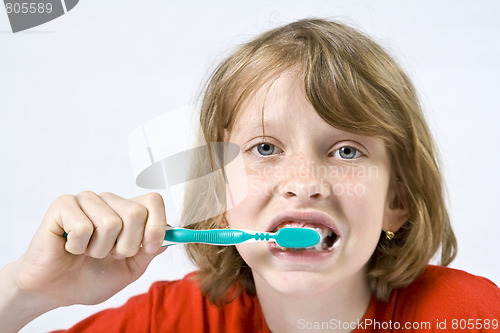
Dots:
{"x": 355, "y": 86}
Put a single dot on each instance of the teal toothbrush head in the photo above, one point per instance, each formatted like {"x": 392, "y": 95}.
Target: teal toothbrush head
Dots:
{"x": 297, "y": 237}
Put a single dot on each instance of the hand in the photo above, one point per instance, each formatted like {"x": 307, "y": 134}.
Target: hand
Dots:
{"x": 101, "y": 253}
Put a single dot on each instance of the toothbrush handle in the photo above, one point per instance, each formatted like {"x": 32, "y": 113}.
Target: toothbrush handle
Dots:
{"x": 215, "y": 236}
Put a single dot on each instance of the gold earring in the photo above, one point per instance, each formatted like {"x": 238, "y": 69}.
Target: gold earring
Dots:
{"x": 389, "y": 235}
{"x": 225, "y": 222}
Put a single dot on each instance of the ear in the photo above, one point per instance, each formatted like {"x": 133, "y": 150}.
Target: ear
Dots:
{"x": 396, "y": 211}
{"x": 221, "y": 221}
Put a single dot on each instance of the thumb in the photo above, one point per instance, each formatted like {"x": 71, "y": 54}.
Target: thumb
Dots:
{"x": 143, "y": 258}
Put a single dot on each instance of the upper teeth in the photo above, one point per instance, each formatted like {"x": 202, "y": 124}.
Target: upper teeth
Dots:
{"x": 324, "y": 233}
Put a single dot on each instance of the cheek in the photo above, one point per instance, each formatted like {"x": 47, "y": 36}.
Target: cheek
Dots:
{"x": 258, "y": 185}
{"x": 260, "y": 177}
{"x": 362, "y": 195}
{"x": 245, "y": 214}
{"x": 236, "y": 179}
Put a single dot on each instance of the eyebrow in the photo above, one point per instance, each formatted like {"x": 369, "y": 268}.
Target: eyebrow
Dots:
{"x": 262, "y": 127}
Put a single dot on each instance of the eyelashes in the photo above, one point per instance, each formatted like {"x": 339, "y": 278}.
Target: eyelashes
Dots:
{"x": 347, "y": 153}
{"x": 266, "y": 149}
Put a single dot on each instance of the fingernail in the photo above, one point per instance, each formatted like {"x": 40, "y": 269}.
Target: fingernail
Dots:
{"x": 118, "y": 256}
{"x": 151, "y": 247}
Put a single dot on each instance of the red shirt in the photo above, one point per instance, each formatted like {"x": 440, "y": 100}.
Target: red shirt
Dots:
{"x": 439, "y": 300}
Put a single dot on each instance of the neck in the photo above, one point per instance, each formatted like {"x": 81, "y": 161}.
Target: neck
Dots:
{"x": 346, "y": 302}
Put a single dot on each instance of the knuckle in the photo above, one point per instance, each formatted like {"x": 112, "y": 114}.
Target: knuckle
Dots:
{"x": 86, "y": 195}
{"x": 63, "y": 200}
{"x": 82, "y": 229}
{"x": 127, "y": 252}
{"x": 75, "y": 249}
{"x": 153, "y": 199}
{"x": 135, "y": 213}
{"x": 105, "y": 194}
{"x": 111, "y": 224}
{"x": 154, "y": 232}
{"x": 65, "y": 197}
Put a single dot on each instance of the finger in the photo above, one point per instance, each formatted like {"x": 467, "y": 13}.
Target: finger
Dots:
{"x": 133, "y": 216}
{"x": 143, "y": 258}
{"x": 70, "y": 219}
{"x": 107, "y": 224}
{"x": 156, "y": 223}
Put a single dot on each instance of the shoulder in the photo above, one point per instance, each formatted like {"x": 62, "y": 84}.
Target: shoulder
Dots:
{"x": 446, "y": 293}
{"x": 177, "y": 306}
{"x": 440, "y": 299}
{"x": 181, "y": 303}
{"x": 172, "y": 299}
{"x": 187, "y": 286}
{"x": 439, "y": 274}
{"x": 437, "y": 282}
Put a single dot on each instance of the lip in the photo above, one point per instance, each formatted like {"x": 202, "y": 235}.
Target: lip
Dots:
{"x": 303, "y": 256}
{"x": 314, "y": 217}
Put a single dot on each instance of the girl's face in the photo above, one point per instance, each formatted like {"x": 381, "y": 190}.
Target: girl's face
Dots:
{"x": 302, "y": 172}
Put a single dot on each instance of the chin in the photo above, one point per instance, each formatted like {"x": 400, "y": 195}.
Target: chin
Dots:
{"x": 298, "y": 283}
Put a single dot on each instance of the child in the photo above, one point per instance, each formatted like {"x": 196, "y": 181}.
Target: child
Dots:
{"x": 333, "y": 138}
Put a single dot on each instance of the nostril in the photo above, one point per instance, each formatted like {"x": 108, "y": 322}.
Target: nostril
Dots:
{"x": 315, "y": 195}
{"x": 303, "y": 191}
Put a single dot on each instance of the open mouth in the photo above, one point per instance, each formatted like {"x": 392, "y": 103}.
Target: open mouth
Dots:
{"x": 328, "y": 236}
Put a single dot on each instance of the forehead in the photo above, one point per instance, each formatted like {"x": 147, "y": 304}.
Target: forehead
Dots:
{"x": 277, "y": 104}
{"x": 280, "y": 108}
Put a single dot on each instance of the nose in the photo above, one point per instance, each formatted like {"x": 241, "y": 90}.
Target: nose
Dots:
{"x": 305, "y": 180}
{"x": 306, "y": 189}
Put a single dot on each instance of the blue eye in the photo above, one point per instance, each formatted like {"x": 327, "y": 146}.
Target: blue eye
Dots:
{"x": 264, "y": 149}
{"x": 348, "y": 153}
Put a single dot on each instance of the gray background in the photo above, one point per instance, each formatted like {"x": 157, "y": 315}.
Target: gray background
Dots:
{"x": 73, "y": 89}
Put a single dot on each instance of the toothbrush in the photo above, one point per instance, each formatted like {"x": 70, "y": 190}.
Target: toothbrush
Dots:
{"x": 285, "y": 237}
